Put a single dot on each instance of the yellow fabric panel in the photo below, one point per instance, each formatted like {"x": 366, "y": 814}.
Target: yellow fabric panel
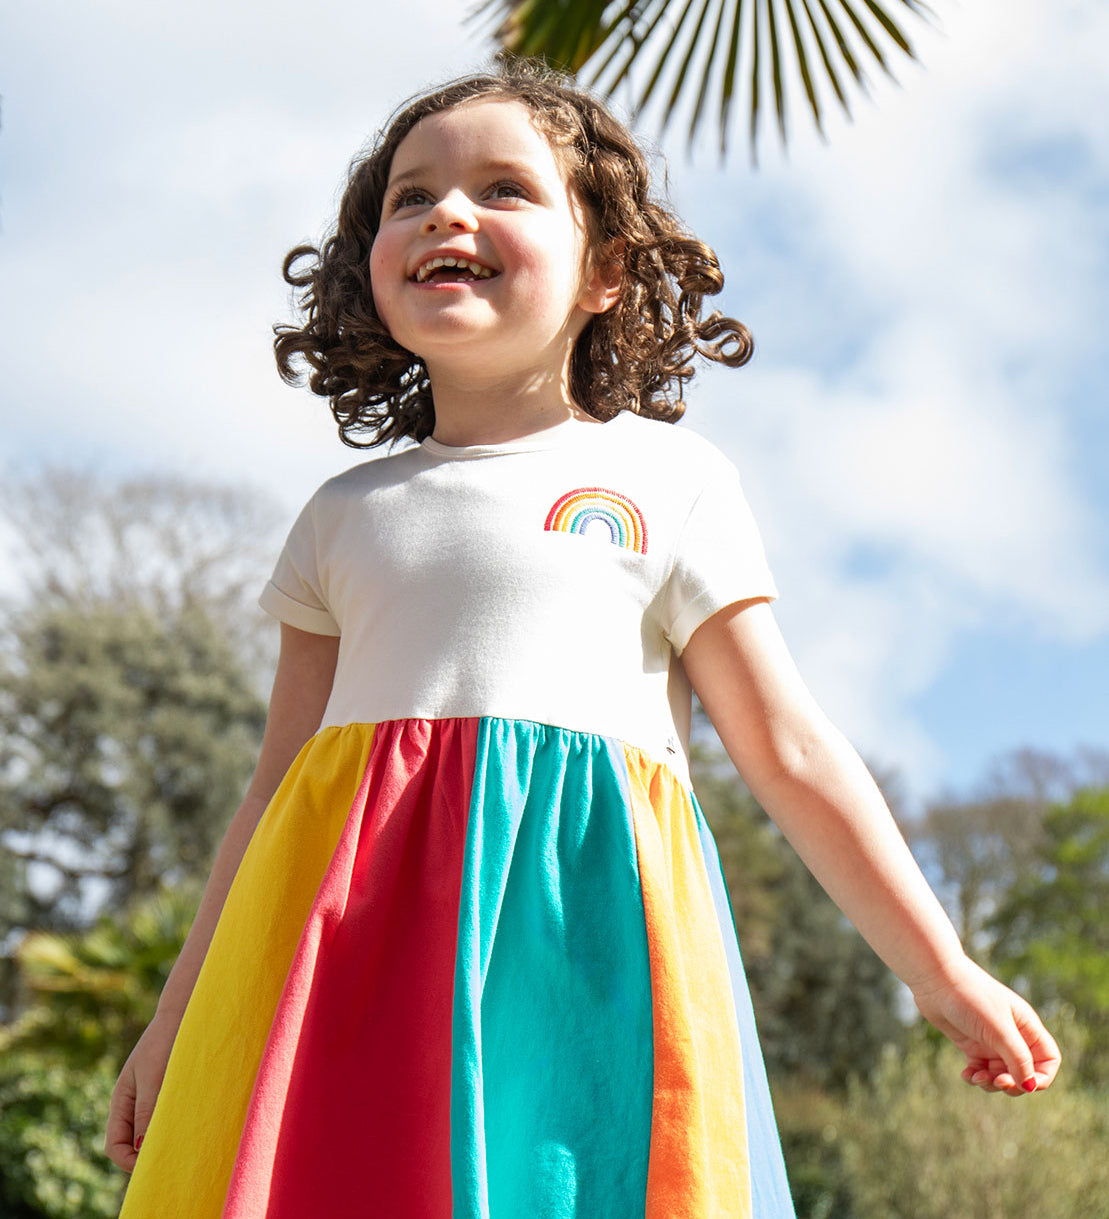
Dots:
{"x": 189, "y": 1151}
{"x": 699, "y": 1165}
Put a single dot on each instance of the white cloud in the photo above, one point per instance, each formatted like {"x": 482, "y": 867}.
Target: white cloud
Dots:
{"x": 160, "y": 172}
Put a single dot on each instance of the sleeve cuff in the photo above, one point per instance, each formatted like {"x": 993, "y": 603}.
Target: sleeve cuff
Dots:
{"x": 702, "y": 608}
{"x": 303, "y": 617}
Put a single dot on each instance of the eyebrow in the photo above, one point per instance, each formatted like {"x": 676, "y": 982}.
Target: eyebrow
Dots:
{"x": 494, "y": 167}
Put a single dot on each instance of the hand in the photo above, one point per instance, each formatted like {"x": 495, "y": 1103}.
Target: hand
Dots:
{"x": 136, "y": 1091}
{"x": 1007, "y": 1047}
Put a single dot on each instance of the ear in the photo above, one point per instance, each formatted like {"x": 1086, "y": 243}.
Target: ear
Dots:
{"x": 604, "y": 275}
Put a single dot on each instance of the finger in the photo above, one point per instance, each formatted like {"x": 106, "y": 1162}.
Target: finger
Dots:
{"x": 993, "y": 1077}
{"x": 1042, "y": 1048}
{"x": 1015, "y": 1050}
{"x": 1046, "y": 1072}
{"x": 1044, "y": 1075}
{"x": 1004, "y": 1082}
{"x": 974, "y": 1067}
{"x": 119, "y": 1134}
{"x": 144, "y": 1110}
{"x": 1045, "y": 1055}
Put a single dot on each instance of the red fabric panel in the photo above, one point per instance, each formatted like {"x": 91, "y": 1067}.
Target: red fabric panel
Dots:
{"x": 352, "y": 1100}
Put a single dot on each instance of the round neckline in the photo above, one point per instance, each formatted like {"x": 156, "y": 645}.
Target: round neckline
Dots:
{"x": 549, "y": 438}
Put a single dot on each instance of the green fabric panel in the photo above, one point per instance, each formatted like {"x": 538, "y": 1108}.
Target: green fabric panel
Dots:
{"x": 552, "y": 1067}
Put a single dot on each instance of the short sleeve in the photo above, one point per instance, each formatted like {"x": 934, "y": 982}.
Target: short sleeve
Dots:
{"x": 718, "y": 560}
{"x": 295, "y": 593}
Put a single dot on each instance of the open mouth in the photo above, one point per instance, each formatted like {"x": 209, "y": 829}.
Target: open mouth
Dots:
{"x": 452, "y": 271}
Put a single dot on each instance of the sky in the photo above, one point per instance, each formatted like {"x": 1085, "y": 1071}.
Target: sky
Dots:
{"x": 922, "y": 433}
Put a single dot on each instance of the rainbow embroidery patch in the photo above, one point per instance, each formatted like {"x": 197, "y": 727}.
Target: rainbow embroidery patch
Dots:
{"x": 578, "y": 510}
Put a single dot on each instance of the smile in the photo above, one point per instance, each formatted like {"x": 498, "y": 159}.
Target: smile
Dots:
{"x": 452, "y": 269}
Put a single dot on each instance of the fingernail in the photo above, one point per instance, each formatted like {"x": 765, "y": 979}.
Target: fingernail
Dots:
{"x": 1029, "y": 1085}
{"x": 138, "y": 1141}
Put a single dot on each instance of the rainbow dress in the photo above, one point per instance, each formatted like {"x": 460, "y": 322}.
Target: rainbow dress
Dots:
{"x": 478, "y": 959}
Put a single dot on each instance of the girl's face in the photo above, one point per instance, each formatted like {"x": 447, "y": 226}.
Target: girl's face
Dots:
{"x": 480, "y": 186}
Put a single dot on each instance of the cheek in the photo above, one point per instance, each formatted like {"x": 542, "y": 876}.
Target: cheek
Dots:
{"x": 551, "y": 255}
{"x": 383, "y": 271}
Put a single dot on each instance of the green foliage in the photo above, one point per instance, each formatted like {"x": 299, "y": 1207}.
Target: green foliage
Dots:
{"x": 52, "y": 1119}
{"x": 811, "y": 1123}
{"x": 92, "y": 994}
{"x": 129, "y": 741}
{"x": 917, "y": 1143}
{"x": 975, "y": 850}
{"x": 749, "y": 847}
{"x": 712, "y": 49}
{"x": 130, "y": 712}
{"x": 1052, "y": 931}
{"x": 826, "y": 1005}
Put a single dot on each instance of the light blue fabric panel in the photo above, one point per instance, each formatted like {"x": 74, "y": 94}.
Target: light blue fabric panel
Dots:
{"x": 552, "y": 1067}
{"x": 769, "y": 1187}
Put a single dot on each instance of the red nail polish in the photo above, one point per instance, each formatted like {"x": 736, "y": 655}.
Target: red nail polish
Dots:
{"x": 1029, "y": 1085}
{"x": 138, "y": 1141}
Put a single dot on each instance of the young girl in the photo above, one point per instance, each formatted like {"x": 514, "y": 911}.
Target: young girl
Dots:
{"x": 466, "y": 949}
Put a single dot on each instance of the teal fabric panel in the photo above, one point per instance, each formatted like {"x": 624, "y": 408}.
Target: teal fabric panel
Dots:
{"x": 770, "y": 1196}
{"x": 552, "y": 1069}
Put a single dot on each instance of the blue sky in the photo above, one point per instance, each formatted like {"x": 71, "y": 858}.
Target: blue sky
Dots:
{"x": 923, "y": 432}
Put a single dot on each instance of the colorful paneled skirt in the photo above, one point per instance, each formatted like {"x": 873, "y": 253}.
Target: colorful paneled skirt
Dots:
{"x": 469, "y": 968}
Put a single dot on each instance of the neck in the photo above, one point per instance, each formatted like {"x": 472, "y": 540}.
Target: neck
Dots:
{"x": 490, "y": 409}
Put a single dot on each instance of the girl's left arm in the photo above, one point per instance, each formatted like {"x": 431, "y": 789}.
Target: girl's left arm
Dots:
{"x": 807, "y": 776}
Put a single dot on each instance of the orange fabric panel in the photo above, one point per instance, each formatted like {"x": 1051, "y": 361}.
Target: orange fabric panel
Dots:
{"x": 189, "y": 1151}
{"x": 699, "y": 1164}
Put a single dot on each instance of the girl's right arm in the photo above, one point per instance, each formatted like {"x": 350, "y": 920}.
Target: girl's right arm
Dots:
{"x": 810, "y": 780}
{"x": 301, "y": 687}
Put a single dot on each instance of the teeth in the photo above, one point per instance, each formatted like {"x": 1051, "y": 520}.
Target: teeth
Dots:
{"x": 478, "y": 271}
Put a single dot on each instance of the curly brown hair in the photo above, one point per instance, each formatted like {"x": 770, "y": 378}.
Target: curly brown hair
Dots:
{"x": 637, "y": 356}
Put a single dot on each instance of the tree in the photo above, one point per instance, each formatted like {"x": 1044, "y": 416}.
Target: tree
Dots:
{"x": 165, "y": 543}
{"x": 976, "y": 849}
{"x": 1052, "y": 933}
{"x": 826, "y": 1005}
{"x": 130, "y": 709}
{"x": 91, "y": 994}
{"x": 748, "y": 844}
{"x": 128, "y": 739}
{"x": 708, "y": 49}
{"x": 51, "y": 1126}
{"x": 89, "y": 997}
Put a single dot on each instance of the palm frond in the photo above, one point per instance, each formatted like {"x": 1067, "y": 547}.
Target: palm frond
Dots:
{"x": 716, "y": 46}
{"x": 727, "y": 88}
{"x": 679, "y": 84}
{"x": 819, "y": 38}
{"x": 776, "y": 68}
{"x": 650, "y": 16}
{"x": 705, "y": 48}
{"x": 844, "y": 46}
{"x": 803, "y": 65}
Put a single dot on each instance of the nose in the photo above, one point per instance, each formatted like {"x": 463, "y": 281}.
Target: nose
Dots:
{"x": 453, "y": 211}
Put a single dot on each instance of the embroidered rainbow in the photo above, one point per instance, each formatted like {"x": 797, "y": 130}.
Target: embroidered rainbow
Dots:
{"x": 579, "y": 509}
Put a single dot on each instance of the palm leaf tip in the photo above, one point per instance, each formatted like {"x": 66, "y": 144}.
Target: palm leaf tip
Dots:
{"x": 714, "y": 48}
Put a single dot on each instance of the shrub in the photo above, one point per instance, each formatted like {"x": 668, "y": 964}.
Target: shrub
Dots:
{"x": 917, "y": 1143}
{"x": 52, "y": 1121}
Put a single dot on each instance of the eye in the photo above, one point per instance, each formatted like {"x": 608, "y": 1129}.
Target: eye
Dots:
{"x": 507, "y": 190}
{"x": 408, "y": 196}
